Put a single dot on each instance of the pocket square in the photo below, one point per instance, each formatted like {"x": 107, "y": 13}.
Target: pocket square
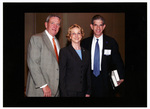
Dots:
{"x": 107, "y": 52}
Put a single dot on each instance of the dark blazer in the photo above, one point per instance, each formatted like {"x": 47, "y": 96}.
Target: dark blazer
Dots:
{"x": 75, "y": 75}
{"x": 109, "y": 62}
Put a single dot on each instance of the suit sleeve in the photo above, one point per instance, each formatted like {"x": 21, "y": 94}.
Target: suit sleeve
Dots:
{"x": 117, "y": 60}
{"x": 62, "y": 72}
{"x": 33, "y": 61}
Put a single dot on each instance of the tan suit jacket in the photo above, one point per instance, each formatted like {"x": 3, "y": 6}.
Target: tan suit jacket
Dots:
{"x": 43, "y": 66}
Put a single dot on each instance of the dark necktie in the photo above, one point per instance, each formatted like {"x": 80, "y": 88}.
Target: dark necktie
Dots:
{"x": 96, "y": 70}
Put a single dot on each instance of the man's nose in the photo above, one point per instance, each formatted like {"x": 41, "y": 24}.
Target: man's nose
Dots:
{"x": 55, "y": 25}
{"x": 98, "y": 27}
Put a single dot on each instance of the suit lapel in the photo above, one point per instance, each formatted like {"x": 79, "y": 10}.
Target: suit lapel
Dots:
{"x": 83, "y": 54}
{"x": 74, "y": 53}
{"x": 105, "y": 43}
{"x": 105, "y": 46}
{"x": 48, "y": 44}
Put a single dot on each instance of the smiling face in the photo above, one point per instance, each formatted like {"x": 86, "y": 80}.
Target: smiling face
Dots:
{"x": 53, "y": 26}
{"x": 98, "y": 27}
{"x": 75, "y": 35}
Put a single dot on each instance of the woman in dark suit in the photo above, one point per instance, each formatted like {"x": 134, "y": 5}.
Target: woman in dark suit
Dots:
{"x": 74, "y": 66}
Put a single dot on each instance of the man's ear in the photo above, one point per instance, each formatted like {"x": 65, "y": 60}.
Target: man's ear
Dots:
{"x": 91, "y": 26}
{"x": 104, "y": 26}
{"x": 45, "y": 24}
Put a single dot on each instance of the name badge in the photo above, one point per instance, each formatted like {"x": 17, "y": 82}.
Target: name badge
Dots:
{"x": 107, "y": 52}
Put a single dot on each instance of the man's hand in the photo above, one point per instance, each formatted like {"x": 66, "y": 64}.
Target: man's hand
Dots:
{"x": 47, "y": 91}
{"x": 119, "y": 82}
{"x": 87, "y": 95}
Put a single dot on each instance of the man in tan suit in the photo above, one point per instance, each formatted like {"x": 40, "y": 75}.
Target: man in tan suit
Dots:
{"x": 42, "y": 60}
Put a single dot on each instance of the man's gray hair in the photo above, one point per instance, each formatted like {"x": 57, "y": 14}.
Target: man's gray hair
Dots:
{"x": 51, "y": 15}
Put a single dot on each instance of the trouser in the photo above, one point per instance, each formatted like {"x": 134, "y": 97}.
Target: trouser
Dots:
{"x": 101, "y": 87}
{"x": 75, "y": 94}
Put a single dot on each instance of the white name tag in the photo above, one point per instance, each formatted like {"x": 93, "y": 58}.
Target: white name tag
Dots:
{"x": 107, "y": 52}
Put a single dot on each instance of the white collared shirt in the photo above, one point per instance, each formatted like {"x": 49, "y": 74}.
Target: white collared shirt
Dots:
{"x": 93, "y": 50}
{"x": 50, "y": 38}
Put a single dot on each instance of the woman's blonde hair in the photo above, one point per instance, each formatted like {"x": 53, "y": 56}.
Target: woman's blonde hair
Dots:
{"x": 71, "y": 27}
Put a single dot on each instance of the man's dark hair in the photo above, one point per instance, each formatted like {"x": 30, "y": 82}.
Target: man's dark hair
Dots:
{"x": 97, "y": 17}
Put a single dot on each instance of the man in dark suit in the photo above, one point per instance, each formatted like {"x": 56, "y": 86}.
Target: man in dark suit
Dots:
{"x": 105, "y": 57}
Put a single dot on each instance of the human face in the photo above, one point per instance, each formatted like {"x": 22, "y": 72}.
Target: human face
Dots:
{"x": 53, "y": 26}
{"x": 98, "y": 27}
{"x": 75, "y": 35}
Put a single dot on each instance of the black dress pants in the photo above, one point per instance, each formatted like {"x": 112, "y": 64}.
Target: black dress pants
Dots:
{"x": 75, "y": 94}
{"x": 101, "y": 87}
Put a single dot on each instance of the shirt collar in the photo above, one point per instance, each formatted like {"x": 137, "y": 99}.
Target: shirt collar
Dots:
{"x": 100, "y": 38}
{"x": 50, "y": 36}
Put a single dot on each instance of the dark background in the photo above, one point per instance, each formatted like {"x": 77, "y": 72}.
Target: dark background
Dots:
{"x": 135, "y": 54}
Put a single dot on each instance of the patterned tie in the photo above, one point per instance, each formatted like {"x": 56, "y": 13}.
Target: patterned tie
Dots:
{"x": 96, "y": 70}
{"x": 55, "y": 49}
